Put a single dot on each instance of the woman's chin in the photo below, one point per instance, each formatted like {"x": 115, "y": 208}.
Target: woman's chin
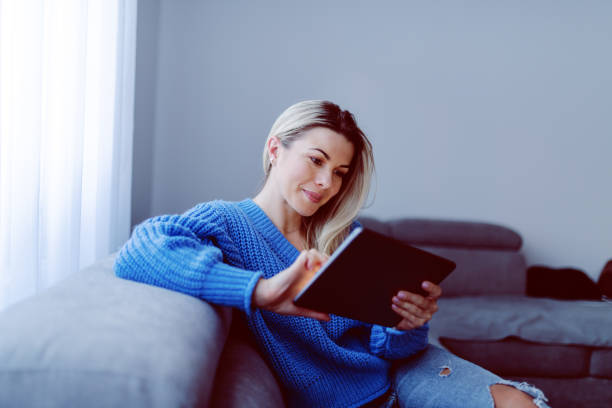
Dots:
{"x": 307, "y": 212}
{"x": 306, "y": 209}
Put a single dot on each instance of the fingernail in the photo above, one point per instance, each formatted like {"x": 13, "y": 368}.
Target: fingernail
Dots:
{"x": 402, "y": 295}
{"x": 425, "y": 285}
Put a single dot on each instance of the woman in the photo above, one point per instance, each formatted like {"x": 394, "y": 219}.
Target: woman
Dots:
{"x": 255, "y": 255}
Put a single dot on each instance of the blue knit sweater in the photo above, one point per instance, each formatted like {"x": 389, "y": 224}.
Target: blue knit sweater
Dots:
{"x": 218, "y": 251}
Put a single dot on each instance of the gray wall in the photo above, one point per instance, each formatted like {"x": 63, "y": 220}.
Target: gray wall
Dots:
{"x": 494, "y": 111}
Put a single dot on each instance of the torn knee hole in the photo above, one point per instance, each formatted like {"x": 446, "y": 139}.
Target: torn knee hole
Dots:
{"x": 445, "y": 372}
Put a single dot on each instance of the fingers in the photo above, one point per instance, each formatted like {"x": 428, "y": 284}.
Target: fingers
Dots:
{"x": 312, "y": 314}
{"x": 409, "y": 320}
{"x": 407, "y": 325}
{"x": 304, "y": 268}
{"x": 434, "y": 290}
{"x": 406, "y": 309}
{"x": 403, "y": 299}
{"x": 281, "y": 289}
{"x": 314, "y": 259}
{"x": 414, "y": 309}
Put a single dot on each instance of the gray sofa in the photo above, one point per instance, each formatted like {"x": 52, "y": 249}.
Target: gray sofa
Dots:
{"x": 99, "y": 341}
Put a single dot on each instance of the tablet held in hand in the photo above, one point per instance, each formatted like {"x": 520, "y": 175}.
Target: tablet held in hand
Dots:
{"x": 364, "y": 274}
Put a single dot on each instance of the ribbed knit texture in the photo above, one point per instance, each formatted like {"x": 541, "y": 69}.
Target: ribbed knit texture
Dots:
{"x": 218, "y": 251}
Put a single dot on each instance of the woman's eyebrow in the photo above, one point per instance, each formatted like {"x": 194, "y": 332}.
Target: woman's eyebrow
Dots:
{"x": 327, "y": 156}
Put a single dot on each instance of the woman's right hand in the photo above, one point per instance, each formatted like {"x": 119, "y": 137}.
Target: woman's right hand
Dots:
{"x": 276, "y": 294}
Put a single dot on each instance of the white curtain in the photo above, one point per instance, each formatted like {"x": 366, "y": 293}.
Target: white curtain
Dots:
{"x": 66, "y": 118}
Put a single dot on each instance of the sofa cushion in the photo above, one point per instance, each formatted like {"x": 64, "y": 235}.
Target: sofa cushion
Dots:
{"x": 513, "y": 356}
{"x": 601, "y": 363}
{"x": 538, "y": 320}
{"x": 482, "y": 271}
{"x": 244, "y": 379}
{"x": 96, "y": 340}
{"x": 376, "y": 225}
{"x": 457, "y": 234}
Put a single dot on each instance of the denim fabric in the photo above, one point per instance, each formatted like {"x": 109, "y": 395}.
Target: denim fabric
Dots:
{"x": 436, "y": 378}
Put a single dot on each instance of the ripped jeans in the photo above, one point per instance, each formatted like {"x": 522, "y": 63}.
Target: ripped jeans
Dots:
{"x": 437, "y": 378}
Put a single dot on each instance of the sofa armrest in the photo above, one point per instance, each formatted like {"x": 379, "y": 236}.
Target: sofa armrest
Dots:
{"x": 98, "y": 340}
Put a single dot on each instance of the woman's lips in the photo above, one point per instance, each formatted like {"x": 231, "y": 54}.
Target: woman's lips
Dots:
{"x": 312, "y": 196}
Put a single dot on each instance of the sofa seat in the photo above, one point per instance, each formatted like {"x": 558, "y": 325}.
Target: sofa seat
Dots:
{"x": 601, "y": 363}
{"x": 513, "y": 334}
{"x": 540, "y": 320}
{"x": 513, "y": 356}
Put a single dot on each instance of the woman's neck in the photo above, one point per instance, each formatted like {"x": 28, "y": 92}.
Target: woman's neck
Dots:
{"x": 286, "y": 219}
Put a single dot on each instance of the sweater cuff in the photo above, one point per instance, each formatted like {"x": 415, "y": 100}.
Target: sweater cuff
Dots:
{"x": 392, "y": 343}
{"x": 378, "y": 340}
{"x": 415, "y": 339}
{"x": 235, "y": 289}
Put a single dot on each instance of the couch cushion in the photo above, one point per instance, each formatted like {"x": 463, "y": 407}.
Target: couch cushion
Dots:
{"x": 99, "y": 341}
{"x": 376, "y": 225}
{"x": 539, "y": 320}
{"x": 458, "y": 234}
{"x": 513, "y": 356}
{"x": 244, "y": 379}
{"x": 482, "y": 271}
{"x": 601, "y": 363}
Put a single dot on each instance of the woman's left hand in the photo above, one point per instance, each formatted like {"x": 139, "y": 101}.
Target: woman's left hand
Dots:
{"x": 416, "y": 310}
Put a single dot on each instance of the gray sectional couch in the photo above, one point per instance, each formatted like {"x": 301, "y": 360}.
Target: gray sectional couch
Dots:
{"x": 99, "y": 341}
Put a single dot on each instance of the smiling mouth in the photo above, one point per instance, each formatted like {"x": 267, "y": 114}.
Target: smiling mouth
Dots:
{"x": 314, "y": 197}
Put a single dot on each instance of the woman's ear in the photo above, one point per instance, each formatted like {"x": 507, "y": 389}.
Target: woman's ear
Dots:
{"x": 273, "y": 148}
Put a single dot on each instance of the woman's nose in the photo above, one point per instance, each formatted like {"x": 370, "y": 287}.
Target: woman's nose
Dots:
{"x": 324, "y": 179}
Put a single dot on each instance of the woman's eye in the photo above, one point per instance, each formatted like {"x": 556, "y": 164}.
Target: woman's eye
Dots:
{"x": 340, "y": 174}
{"x": 316, "y": 160}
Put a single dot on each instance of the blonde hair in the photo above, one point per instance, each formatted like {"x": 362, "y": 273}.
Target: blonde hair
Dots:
{"x": 329, "y": 226}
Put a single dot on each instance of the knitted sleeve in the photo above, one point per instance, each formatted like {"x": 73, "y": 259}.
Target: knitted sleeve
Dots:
{"x": 190, "y": 253}
{"x": 393, "y": 344}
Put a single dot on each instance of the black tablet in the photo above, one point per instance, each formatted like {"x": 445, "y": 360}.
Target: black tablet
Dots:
{"x": 365, "y": 272}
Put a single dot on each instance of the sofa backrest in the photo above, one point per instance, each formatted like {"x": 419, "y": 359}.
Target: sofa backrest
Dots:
{"x": 488, "y": 256}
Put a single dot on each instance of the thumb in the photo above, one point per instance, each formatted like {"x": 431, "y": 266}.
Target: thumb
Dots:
{"x": 314, "y": 260}
{"x": 302, "y": 261}
{"x": 302, "y": 270}
{"x": 299, "y": 267}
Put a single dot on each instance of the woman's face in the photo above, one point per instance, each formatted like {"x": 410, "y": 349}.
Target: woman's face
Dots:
{"x": 310, "y": 172}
